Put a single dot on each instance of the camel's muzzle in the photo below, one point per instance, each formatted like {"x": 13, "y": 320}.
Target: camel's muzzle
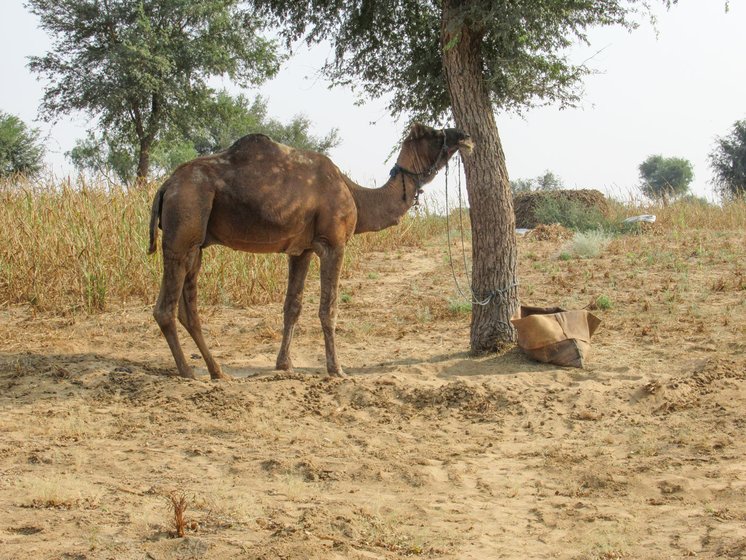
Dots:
{"x": 466, "y": 145}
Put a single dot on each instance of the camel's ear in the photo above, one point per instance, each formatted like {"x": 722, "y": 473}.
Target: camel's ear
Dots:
{"x": 418, "y": 131}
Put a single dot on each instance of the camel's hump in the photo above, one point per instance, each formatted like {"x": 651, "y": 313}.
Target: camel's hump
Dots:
{"x": 259, "y": 146}
{"x": 250, "y": 141}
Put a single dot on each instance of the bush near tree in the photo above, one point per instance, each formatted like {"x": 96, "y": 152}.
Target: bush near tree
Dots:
{"x": 21, "y": 150}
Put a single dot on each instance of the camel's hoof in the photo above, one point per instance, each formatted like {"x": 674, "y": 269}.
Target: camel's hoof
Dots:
{"x": 220, "y": 376}
{"x": 187, "y": 375}
{"x": 284, "y": 366}
{"x": 339, "y": 373}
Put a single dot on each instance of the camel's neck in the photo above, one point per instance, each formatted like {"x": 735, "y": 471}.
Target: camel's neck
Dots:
{"x": 380, "y": 208}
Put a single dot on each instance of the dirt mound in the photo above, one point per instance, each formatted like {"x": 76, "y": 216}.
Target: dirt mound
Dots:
{"x": 686, "y": 391}
{"x": 526, "y": 204}
{"x": 473, "y": 402}
{"x": 552, "y": 232}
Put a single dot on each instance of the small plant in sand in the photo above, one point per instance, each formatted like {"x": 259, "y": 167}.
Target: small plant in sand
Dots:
{"x": 179, "y": 505}
{"x": 588, "y": 244}
{"x": 459, "y": 306}
{"x": 604, "y": 302}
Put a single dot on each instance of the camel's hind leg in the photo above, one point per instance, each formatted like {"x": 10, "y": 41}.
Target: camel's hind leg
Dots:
{"x": 297, "y": 271}
{"x": 174, "y": 273}
{"x": 189, "y": 317}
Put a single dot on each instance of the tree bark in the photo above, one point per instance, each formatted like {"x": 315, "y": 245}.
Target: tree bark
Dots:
{"x": 143, "y": 162}
{"x": 494, "y": 254}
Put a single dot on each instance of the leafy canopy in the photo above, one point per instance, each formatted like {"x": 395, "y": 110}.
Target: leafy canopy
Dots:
{"x": 228, "y": 119}
{"x": 665, "y": 178}
{"x": 728, "y": 162}
{"x": 142, "y": 66}
{"x": 21, "y": 150}
{"x": 234, "y": 117}
{"x": 392, "y": 47}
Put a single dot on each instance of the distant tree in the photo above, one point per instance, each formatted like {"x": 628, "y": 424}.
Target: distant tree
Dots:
{"x": 228, "y": 119}
{"x": 141, "y": 67}
{"x": 546, "y": 182}
{"x": 665, "y": 178}
{"x": 728, "y": 161}
{"x": 21, "y": 150}
{"x": 233, "y": 117}
{"x": 518, "y": 186}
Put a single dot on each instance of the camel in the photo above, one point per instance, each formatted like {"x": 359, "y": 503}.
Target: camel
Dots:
{"x": 264, "y": 197}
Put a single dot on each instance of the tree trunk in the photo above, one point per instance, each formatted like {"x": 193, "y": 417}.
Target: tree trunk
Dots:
{"x": 143, "y": 162}
{"x": 494, "y": 255}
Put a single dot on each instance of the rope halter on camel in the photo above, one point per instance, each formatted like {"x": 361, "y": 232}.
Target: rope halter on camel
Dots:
{"x": 420, "y": 177}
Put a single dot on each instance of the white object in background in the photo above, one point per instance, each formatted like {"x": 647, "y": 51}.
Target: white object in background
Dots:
{"x": 650, "y": 218}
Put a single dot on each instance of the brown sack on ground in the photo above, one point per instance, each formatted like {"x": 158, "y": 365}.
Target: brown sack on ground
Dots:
{"x": 556, "y": 336}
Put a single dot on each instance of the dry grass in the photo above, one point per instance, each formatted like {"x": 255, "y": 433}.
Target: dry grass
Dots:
{"x": 81, "y": 247}
{"x": 686, "y": 215}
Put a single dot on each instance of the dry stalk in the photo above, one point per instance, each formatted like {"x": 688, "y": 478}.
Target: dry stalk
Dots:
{"x": 179, "y": 504}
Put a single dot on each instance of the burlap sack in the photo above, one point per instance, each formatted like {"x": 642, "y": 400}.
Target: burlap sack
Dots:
{"x": 556, "y": 336}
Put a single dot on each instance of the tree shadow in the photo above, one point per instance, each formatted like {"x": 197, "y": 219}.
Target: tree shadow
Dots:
{"x": 462, "y": 364}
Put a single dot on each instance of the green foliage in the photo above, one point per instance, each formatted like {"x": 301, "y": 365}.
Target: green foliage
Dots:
{"x": 572, "y": 214}
{"x": 112, "y": 156}
{"x": 604, "y": 302}
{"x": 393, "y": 48}
{"x": 546, "y": 182}
{"x": 459, "y": 306}
{"x": 20, "y": 147}
{"x": 234, "y": 117}
{"x": 665, "y": 178}
{"x": 228, "y": 119}
{"x": 728, "y": 162}
{"x": 141, "y": 67}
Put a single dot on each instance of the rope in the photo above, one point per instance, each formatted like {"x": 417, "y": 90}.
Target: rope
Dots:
{"x": 472, "y": 298}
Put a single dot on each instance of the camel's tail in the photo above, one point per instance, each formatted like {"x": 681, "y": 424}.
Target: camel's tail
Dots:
{"x": 155, "y": 215}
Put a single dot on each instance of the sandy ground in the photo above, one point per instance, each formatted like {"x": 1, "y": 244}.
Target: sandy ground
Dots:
{"x": 422, "y": 451}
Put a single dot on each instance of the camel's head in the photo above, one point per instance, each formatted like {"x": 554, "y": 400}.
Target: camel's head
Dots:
{"x": 426, "y": 149}
{"x": 428, "y": 141}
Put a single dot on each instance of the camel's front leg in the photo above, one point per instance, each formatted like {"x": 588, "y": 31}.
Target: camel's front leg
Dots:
{"x": 297, "y": 271}
{"x": 331, "y": 266}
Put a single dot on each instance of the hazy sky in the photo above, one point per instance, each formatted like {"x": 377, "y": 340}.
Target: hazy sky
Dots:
{"x": 669, "y": 90}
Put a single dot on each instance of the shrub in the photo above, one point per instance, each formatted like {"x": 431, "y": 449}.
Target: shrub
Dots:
{"x": 572, "y": 214}
{"x": 604, "y": 302}
{"x": 589, "y": 244}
